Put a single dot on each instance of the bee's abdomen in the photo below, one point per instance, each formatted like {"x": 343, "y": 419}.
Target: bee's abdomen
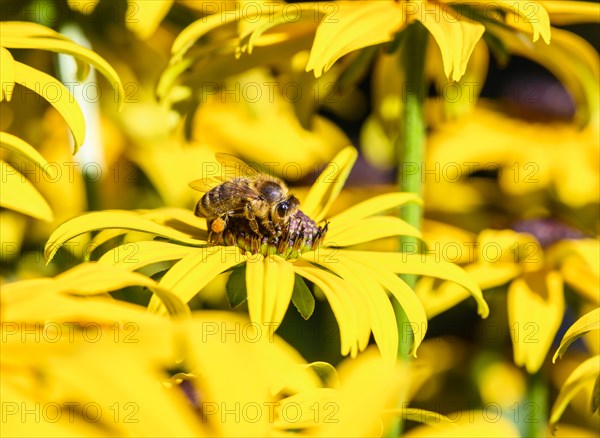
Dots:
{"x": 216, "y": 202}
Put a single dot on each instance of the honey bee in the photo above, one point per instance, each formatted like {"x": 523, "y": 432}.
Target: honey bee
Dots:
{"x": 262, "y": 199}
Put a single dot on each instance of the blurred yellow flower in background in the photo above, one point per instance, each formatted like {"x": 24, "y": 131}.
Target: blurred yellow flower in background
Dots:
{"x": 587, "y": 374}
{"x": 83, "y": 364}
{"x": 286, "y": 85}
{"x": 556, "y": 158}
{"x": 535, "y": 278}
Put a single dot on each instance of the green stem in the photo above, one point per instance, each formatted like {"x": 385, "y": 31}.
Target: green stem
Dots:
{"x": 410, "y": 147}
{"x": 536, "y": 407}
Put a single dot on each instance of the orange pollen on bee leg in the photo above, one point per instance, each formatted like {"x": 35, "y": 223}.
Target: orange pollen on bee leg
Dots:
{"x": 218, "y": 225}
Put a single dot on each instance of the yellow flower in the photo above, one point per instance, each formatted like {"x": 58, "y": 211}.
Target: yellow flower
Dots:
{"x": 19, "y": 193}
{"x": 78, "y": 363}
{"x": 535, "y": 279}
{"x": 586, "y": 374}
{"x": 355, "y": 25}
{"x": 557, "y": 158}
{"x": 354, "y": 282}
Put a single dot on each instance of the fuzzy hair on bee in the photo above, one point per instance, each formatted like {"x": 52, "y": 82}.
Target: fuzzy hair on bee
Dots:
{"x": 263, "y": 200}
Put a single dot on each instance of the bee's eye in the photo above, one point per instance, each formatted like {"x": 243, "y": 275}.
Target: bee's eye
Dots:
{"x": 282, "y": 209}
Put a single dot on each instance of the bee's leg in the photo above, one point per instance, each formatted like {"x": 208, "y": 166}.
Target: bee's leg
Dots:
{"x": 249, "y": 214}
{"x": 215, "y": 229}
{"x": 268, "y": 225}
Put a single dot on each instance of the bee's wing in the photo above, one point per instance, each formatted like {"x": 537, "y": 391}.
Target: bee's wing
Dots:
{"x": 231, "y": 167}
{"x": 205, "y": 184}
{"x": 234, "y": 167}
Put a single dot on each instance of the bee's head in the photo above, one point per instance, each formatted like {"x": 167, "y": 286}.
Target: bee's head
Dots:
{"x": 284, "y": 209}
{"x": 272, "y": 191}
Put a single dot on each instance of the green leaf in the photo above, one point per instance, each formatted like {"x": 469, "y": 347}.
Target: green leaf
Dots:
{"x": 326, "y": 372}
{"x": 588, "y": 322}
{"x": 19, "y": 194}
{"x": 111, "y": 219}
{"x": 236, "y": 286}
{"x": 57, "y": 95}
{"x": 303, "y": 298}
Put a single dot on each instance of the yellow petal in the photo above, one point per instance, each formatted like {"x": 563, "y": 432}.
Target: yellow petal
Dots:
{"x": 144, "y": 17}
{"x": 23, "y": 148}
{"x": 135, "y": 255}
{"x": 370, "y": 386}
{"x": 449, "y": 294}
{"x": 585, "y": 374}
{"x": 25, "y": 29}
{"x": 469, "y": 424}
{"x": 373, "y": 206}
{"x": 352, "y": 26}
{"x": 422, "y": 264}
{"x": 39, "y": 37}
{"x": 56, "y": 301}
{"x": 456, "y": 99}
{"x": 95, "y": 278}
{"x": 588, "y": 322}
{"x": 381, "y": 312}
{"x": 270, "y": 283}
{"x": 571, "y": 59}
{"x": 7, "y": 74}
{"x": 346, "y": 304}
{"x": 191, "y": 34}
{"x": 86, "y": 7}
{"x": 110, "y": 219}
{"x": 456, "y": 39}
{"x": 507, "y": 246}
{"x": 417, "y": 319}
{"x": 189, "y": 275}
{"x": 579, "y": 262}
{"x": 532, "y": 13}
{"x": 571, "y": 12}
{"x": 329, "y": 184}
{"x": 582, "y": 279}
{"x": 20, "y": 195}
{"x": 368, "y": 229}
{"x": 56, "y": 94}
{"x": 535, "y": 311}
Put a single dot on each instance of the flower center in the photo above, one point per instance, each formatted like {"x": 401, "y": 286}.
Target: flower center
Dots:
{"x": 299, "y": 235}
{"x": 547, "y": 231}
